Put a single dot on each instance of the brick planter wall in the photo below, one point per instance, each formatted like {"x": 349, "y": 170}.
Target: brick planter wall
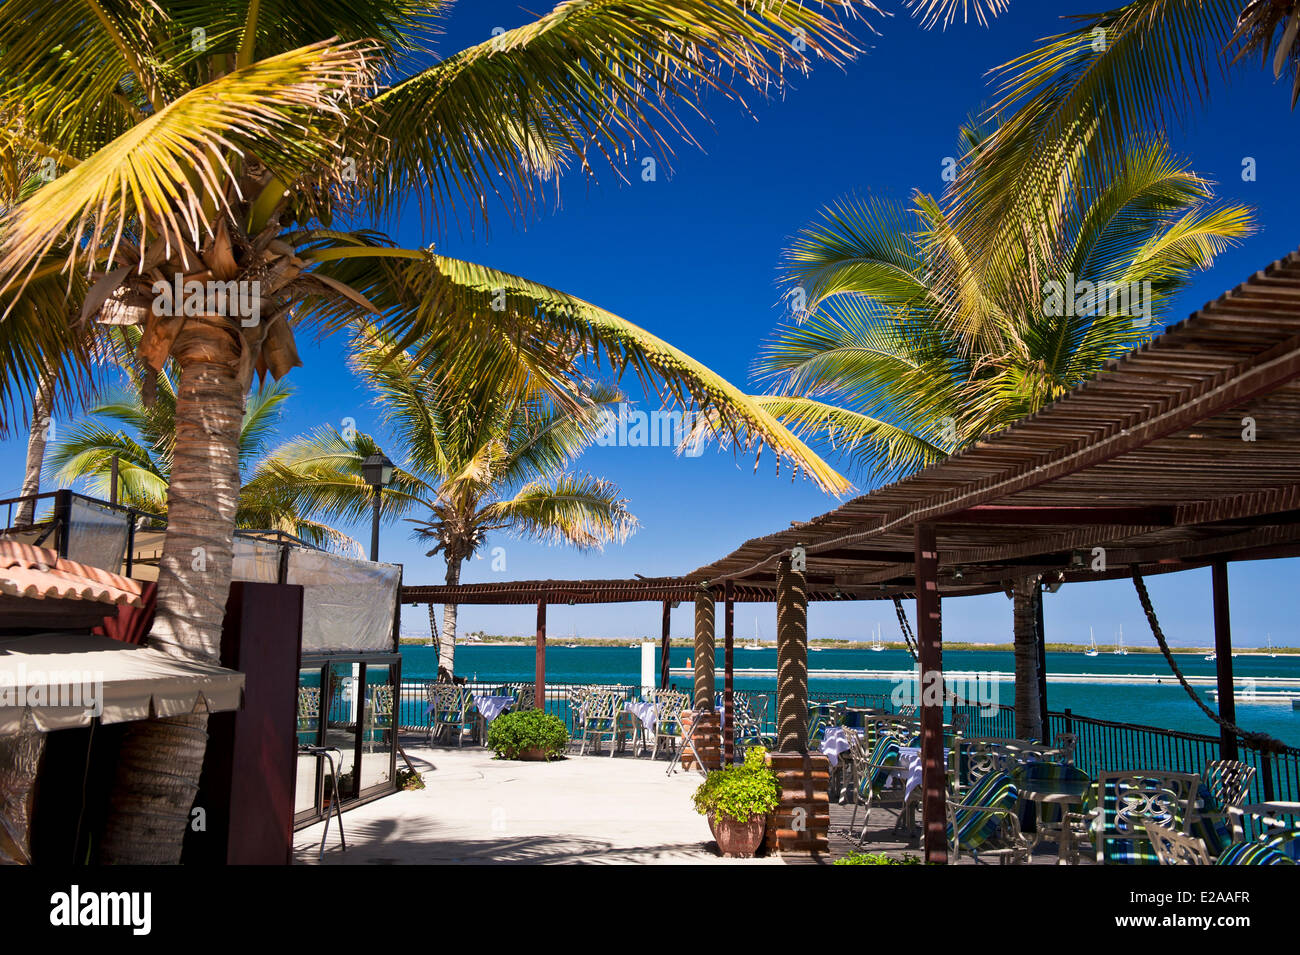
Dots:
{"x": 706, "y": 728}
{"x": 802, "y": 822}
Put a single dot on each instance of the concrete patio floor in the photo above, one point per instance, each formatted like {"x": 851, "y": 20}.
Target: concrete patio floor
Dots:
{"x": 600, "y": 810}
{"x": 476, "y": 809}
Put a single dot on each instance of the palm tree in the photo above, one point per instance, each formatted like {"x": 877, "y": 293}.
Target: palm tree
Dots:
{"x": 912, "y": 346}
{"x": 228, "y": 149}
{"x": 1111, "y": 80}
{"x": 472, "y": 468}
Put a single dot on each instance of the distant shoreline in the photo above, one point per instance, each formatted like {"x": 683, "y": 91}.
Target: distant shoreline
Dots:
{"x": 833, "y": 644}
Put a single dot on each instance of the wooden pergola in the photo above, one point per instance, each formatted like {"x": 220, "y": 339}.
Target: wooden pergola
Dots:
{"x": 1184, "y": 454}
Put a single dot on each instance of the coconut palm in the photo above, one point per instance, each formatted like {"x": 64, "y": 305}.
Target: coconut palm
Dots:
{"x": 1111, "y": 80}
{"x": 237, "y": 148}
{"x": 908, "y": 351}
{"x": 472, "y": 468}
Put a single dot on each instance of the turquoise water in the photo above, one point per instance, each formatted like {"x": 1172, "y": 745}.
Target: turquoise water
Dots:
{"x": 1164, "y": 705}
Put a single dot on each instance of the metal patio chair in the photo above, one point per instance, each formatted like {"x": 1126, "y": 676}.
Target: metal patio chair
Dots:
{"x": 1126, "y": 801}
{"x": 986, "y": 822}
{"x": 1175, "y": 848}
{"x": 450, "y": 708}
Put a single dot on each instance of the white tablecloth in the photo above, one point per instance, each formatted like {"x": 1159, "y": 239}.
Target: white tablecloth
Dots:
{"x": 909, "y": 757}
{"x": 834, "y": 742}
{"x": 490, "y": 707}
{"x": 647, "y": 713}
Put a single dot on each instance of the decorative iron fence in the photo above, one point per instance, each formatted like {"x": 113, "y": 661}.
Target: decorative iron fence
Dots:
{"x": 1103, "y": 744}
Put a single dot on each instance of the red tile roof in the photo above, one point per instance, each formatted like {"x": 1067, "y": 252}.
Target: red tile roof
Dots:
{"x": 38, "y": 573}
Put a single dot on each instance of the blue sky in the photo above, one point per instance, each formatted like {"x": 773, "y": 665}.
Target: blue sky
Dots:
{"x": 692, "y": 256}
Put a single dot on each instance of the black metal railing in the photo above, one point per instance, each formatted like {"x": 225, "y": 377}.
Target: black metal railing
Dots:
{"x": 1102, "y": 744}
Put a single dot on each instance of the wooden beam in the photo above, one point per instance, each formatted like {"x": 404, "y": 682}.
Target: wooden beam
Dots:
{"x": 1223, "y": 657}
{"x": 539, "y": 674}
{"x": 934, "y": 769}
{"x": 728, "y": 679}
{"x": 1152, "y": 516}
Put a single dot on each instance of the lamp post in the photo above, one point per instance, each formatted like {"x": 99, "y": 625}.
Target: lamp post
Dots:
{"x": 378, "y": 473}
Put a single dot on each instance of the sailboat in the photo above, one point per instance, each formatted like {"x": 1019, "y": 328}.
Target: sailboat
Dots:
{"x": 1120, "y": 649}
{"x": 1092, "y": 645}
{"x": 753, "y": 644}
{"x": 1268, "y": 637}
{"x": 573, "y": 635}
{"x": 876, "y": 645}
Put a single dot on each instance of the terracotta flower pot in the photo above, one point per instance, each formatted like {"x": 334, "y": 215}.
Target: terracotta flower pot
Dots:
{"x": 532, "y": 754}
{"x": 738, "y": 840}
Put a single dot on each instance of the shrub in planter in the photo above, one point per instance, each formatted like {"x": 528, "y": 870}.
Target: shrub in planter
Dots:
{"x": 737, "y": 801}
{"x": 530, "y": 734}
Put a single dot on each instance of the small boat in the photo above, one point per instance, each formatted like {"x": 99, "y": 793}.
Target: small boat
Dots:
{"x": 876, "y": 645}
{"x": 1268, "y": 638}
{"x": 753, "y": 644}
{"x": 1212, "y": 656}
{"x": 1092, "y": 645}
{"x": 1120, "y": 649}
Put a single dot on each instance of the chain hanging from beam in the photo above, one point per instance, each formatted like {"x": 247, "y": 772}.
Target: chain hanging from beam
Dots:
{"x": 1261, "y": 741}
{"x": 904, "y": 626}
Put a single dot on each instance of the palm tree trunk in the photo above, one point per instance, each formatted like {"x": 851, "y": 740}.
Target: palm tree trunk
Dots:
{"x": 447, "y": 643}
{"x": 36, "y": 441}
{"x": 158, "y": 769}
{"x": 1025, "y": 627}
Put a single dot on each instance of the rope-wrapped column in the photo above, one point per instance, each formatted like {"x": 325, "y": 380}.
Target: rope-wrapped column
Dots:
{"x": 702, "y": 720}
{"x": 704, "y": 626}
{"x": 791, "y": 659}
{"x": 802, "y": 820}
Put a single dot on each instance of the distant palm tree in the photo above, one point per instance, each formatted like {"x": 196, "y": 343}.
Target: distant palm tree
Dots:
{"x": 472, "y": 467}
{"x": 142, "y": 436}
{"x": 244, "y": 146}
{"x": 905, "y": 350}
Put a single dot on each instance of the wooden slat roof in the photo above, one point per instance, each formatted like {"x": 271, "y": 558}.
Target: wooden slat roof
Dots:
{"x": 1147, "y": 460}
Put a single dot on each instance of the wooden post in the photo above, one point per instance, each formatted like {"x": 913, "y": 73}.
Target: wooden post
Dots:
{"x": 666, "y": 646}
{"x": 704, "y": 639}
{"x": 728, "y": 679}
{"x": 791, "y": 659}
{"x": 1041, "y": 632}
{"x": 934, "y": 782}
{"x": 1223, "y": 658}
{"x": 539, "y": 676}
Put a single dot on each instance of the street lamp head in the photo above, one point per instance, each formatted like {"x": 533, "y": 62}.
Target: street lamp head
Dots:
{"x": 377, "y": 470}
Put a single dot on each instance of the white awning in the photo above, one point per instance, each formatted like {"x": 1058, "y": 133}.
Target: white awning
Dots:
{"x": 66, "y": 680}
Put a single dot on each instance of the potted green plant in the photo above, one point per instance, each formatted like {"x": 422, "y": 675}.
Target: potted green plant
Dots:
{"x": 737, "y": 801}
{"x": 529, "y": 734}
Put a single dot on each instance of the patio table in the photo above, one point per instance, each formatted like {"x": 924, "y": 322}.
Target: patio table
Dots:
{"x": 647, "y": 716}
{"x": 1061, "y": 792}
{"x": 489, "y": 708}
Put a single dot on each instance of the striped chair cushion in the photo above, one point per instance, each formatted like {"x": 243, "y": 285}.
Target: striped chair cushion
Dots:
{"x": 1125, "y": 848}
{"x": 1210, "y": 824}
{"x": 978, "y": 828}
{"x": 885, "y": 754}
{"x": 1251, "y": 853}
